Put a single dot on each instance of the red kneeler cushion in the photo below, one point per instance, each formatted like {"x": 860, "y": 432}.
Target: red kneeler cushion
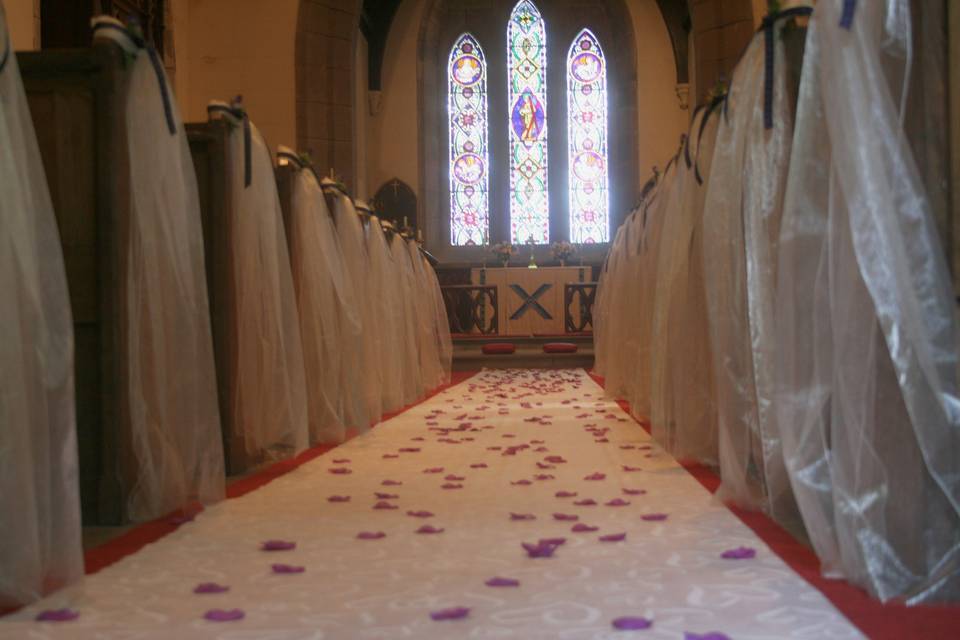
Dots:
{"x": 559, "y": 347}
{"x": 505, "y": 348}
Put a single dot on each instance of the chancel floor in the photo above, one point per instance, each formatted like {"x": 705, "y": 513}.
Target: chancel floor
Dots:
{"x": 516, "y": 504}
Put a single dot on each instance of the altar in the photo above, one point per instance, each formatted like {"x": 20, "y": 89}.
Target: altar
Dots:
{"x": 530, "y": 301}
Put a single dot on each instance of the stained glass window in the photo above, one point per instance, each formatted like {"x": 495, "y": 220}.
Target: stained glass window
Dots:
{"x": 527, "y": 77}
{"x": 587, "y": 135}
{"x": 469, "y": 162}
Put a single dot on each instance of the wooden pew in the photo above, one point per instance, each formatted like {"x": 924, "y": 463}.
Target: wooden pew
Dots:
{"x": 75, "y": 97}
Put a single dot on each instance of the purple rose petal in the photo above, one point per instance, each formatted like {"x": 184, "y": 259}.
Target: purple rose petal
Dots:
{"x": 554, "y": 541}
{"x": 342, "y": 461}
{"x": 634, "y": 492}
{"x": 541, "y": 465}
{"x": 428, "y": 529}
{"x": 613, "y": 537}
{"x": 390, "y": 455}
{"x": 57, "y": 615}
{"x": 453, "y": 613}
{"x": 409, "y": 449}
{"x": 740, "y": 553}
{"x": 502, "y": 582}
{"x": 617, "y": 502}
{"x": 453, "y": 478}
{"x": 419, "y": 514}
{"x": 583, "y": 528}
{"x": 451, "y": 485}
{"x": 277, "y": 545}
{"x": 434, "y": 470}
{"x": 595, "y": 476}
{"x": 287, "y": 568}
{"x": 522, "y": 483}
{"x": 586, "y": 502}
{"x": 371, "y": 535}
{"x": 385, "y": 505}
{"x": 627, "y": 446}
{"x": 602, "y": 440}
{"x": 565, "y": 517}
{"x": 628, "y": 623}
{"x": 629, "y": 468}
{"x": 224, "y": 615}
{"x": 565, "y": 494}
{"x": 539, "y": 550}
{"x": 340, "y": 471}
{"x": 338, "y": 499}
{"x": 391, "y": 483}
{"x": 555, "y": 459}
{"x": 522, "y": 516}
{"x": 210, "y": 587}
{"x": 385, "y": 496}
{"x": 710, "y": 635}
{"x": 479, "y": 465}
{"x": 543, "y": 476}
{"x": 654, "y": 517}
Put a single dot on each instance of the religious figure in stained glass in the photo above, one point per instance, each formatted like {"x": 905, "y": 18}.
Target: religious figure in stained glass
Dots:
{"x": 527, "y": 91}
{"x": 469, "y": 165}
{"x": 587, "y": 135}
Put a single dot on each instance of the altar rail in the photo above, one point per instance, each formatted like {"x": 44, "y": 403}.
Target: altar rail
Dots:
{"x": 471, "y": 308}
{"x": 580, "y": 296}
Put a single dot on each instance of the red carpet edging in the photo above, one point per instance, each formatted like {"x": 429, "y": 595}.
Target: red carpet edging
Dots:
{"x": 879, "y": 621}
{"x": 140, "y": 536}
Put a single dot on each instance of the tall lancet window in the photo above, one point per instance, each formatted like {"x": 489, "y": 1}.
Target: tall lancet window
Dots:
{"x": 469, "y": 162}
{"x": 587, "y": 134}
{"x": 527, "y": 77}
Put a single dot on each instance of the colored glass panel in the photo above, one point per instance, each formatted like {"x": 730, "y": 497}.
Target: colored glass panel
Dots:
{"x": 469, "y": 159}
{"x": 587, "y": 135}
{"x": 527, "y": 91}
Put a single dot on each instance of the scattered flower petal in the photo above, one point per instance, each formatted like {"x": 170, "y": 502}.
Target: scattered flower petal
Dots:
{"x": 565, "y": 494}
{"x": 210, "y": 587}
{"x": 522, "y": 482}
{"x": 57, "y": 615}
{"x": 391, "y": 455}
{"x": 453, "y": 478}
{"x": 539, "y": 550}
{"x": 385, "y": 505}
{"x": 224, "y": 615}
{"x": 371, "y": 535}
{"x": 454, "y": 613}
{"x": 287, "y": 568}
{"x": 628, "y": 468}
{"x": 586, "y": 502}
{"x": 428, "y": 529}
{"x": 740, "y": 553}
{"x": 634, "y": 492}
{"x": 522, "y": 516}
{"x": 340, "y": 471}
{"x": 595, "y": 476}
{"x": 434, "y": 470}
{"x": 385, "y": 496}
{"x": 613, "y": 537}
{"x": 277, "y": 545}
{"x": 419, "y": 514}
{"x": 338, "y": 499}
{"x": 583, "y": 528}
{"x": 479, "y": 465}
{"x": 543, "y": 476}
{"x": 409, "y": 449}
{"x": 451, "y": 485}
{"x": 342, "y": 461}
{"x": 391, "y": 483}
{"x": 632, "y": 624}
{"x": 654, "y": 517}
{"x": 710, "y": 635}
{"x": 502, "y": 582}
{"x": 617, "y": 502}
{"x": 565, "y": 517}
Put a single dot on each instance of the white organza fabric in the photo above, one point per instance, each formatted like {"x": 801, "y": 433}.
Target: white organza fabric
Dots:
{"x": 743, "y": 207}
{"x": 329, "y": 321}
{"x": 669, "y": 571}
{"x": 388, "y": 303}
{"x": 269, "y": 397}
{"x": 442, "y": 324}
{"x": 427, "y": 330}
{"x": 171, "y": 391}
{"x": 413, "y": 387}
{"x": 867, "y": 393}
{"x": 361, "y": 361}
{"x": 40, "y": 549}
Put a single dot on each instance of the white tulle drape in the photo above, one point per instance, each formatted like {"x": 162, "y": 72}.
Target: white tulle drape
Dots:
{"x": 324, "y": 301}
{"x": 168, "y": 369}
{"x": 361, "y": 366}
{"x": 389, "y": 307}
{"x": 867, "y": 395}
{"x": 744, "y": 205}
{"x": 269, "y": 397}
{"x": 413, "y": 386}
{"x": 40, "y": 548}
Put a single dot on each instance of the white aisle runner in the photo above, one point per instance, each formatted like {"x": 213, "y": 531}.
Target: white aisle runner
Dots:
{"x": 516, "y": 440}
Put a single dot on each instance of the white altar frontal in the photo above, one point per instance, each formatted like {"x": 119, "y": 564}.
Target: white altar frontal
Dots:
{"x": 530, "y": 301}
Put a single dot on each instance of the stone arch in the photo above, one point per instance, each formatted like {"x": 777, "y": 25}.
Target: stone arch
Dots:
{"x": 442, "y": 21}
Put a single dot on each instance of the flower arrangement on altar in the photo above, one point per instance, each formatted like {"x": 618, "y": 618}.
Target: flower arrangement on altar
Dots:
{"x": 503, "y": 251}
{"x": 562, "y": 251}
